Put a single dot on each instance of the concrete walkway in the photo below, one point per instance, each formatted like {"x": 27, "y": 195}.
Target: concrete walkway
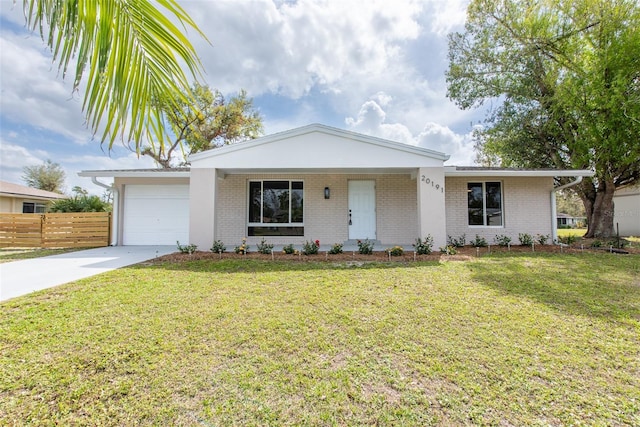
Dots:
{"x": 22, "y": 277}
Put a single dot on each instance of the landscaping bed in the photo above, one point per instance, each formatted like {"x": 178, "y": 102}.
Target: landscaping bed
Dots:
{"x": 462, "y": 254}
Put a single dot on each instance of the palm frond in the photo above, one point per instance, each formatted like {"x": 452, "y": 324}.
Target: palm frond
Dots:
{"x": 130, "y": 52}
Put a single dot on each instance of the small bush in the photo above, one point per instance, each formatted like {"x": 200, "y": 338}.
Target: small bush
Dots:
{"x": 479, "y": 242}
{"x": 264, "y": 247}
{"x": 243, "y": 248}
{"x": 457, "y": 242}
{"x": 525, "y": 239}
{"x": 503, "y": 240}
{"x": 365, "y": 247}
{"x": 568, "y": 240}
{"x": 310, "y": 248}
{"x": 336, "y": 249}
{"x": 288, "y": 249}
{"x": 618, "y": 243}
{"x": 542, "y": 239}
{"x": 396, "y": 251}
{"x": 424, "y": 247}
{"x": 449, "y": 250}
{"x": 597, "y": 244}
{"x": 218, "y": 247}
{"x": 186, "y": 249}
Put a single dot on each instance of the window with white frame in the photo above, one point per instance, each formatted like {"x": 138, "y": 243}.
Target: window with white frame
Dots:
{"x": 276, "y": 208}
{"x": 485, "y": 204}
{"x": 33, "y": 207}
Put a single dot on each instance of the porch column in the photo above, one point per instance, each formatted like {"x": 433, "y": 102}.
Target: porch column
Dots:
{"x": 431, "y": 205}
{"x": 202, "y": 207}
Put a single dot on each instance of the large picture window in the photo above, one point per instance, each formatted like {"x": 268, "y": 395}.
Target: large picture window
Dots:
{"x": 276, "y": 208}
{"x": 485, "y": 204}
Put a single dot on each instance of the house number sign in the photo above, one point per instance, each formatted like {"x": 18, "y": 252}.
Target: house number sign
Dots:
{"x": 432, "y": 183}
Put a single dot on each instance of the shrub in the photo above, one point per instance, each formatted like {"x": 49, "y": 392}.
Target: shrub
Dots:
{"x": 336, "y": 249}
{"x": 503, "y": 240}
{"x": 568, "y": 240}
{"x": 365, "y": 247}
{"x": 479, "y": 242}
{"x": 80, "y": 204}
{"x": 396, "y": 251}
{"x": 186, "y": 249}
{"x": 424, "y": 247}
{"x": 449, "y": 250}
{"x": 243, "y": 248}
{"x": 264, "y": 247}
{"x": 618, "y": 243}
{"x": 525, "y": 239}
{"x": 288, "y": 249}
{"x": 542, "y": 239}
{"x": 597, "y": 244}
{"x": 218, "y": 247}
{"x": 310, "y": 248}
{"x": 458, "y": 243}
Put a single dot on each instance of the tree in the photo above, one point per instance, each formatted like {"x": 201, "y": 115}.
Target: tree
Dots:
{"x": 567, "y": 73}
{"x": 208, "y": 123}
{"x": 48, "y": 176}
{"x": 79, "y": 191}
{"x": 132, "y": 52}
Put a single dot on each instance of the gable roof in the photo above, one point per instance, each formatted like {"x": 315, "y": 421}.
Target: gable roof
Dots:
{"x": 9, "y": 189}
{"x": 317, "y": 146}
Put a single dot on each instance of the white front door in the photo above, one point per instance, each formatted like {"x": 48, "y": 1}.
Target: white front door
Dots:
{"x": 362, "y": 210}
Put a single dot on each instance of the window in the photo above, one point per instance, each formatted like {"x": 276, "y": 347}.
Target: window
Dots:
{"x": 276, "y": 208}
{"x": 32, "y": 207}
{"x": 485, "y": 203}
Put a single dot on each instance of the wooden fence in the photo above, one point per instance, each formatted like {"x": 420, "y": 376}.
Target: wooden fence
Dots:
{"x": 55, "y": 230}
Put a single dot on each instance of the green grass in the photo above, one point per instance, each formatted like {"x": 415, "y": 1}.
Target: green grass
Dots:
{"x": 502, "y": 340}
{"x": 8, "y": 255}
{"x": 577, "y": 232}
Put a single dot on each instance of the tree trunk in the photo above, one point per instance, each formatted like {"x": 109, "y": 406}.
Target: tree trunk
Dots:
{"x": 599, "y": 207}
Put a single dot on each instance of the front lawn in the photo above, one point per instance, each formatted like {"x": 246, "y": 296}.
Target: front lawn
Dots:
{"x": 507, "y": 339}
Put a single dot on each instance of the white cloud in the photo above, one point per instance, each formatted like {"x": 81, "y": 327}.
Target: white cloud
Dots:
{"x": 31, "y": 92}
{"x": 372, "y": 120}
{"x": 325, "y": 56}
{"x": 14, "y": 157}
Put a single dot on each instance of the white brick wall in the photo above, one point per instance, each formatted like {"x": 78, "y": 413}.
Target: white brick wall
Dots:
{"x": 526, "y": 205}
{"x": 325, "y": 220}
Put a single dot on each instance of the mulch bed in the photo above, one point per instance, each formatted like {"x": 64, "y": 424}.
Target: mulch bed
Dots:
{"x": 463, "y": 254}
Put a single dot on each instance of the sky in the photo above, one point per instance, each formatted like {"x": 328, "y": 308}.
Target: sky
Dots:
{"x": 371, "y": 66}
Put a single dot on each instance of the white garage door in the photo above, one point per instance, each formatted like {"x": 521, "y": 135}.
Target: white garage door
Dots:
{"x": 156, "y": 215}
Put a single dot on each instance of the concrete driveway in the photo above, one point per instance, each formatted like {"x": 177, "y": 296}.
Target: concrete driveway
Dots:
{"x": 22, "y": 277}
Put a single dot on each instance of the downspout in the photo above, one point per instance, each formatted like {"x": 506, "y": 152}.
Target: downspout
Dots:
{"x": 116, "y": 198}
{"x": 554, "y": 220}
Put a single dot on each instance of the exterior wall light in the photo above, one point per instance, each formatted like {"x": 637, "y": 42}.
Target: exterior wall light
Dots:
{"x": 327, "y": 192}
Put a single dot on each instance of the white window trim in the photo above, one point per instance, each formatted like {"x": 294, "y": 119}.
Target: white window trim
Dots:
{"x": 484, "y": 204}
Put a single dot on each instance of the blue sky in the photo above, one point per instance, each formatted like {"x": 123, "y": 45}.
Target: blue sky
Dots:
{"x": 370, "y": 66}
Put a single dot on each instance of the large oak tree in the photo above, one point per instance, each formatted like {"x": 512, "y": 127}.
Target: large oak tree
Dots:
{"x": 566, "y": 77}
{"x": 208, "y": 121}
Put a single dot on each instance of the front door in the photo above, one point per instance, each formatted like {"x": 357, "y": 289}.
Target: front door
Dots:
{"x": 362, "y": 210}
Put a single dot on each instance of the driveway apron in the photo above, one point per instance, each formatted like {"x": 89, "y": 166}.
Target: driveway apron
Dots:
{"x": 23, "y": 277}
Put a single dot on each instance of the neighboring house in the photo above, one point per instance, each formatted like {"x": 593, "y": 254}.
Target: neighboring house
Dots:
{"x": 15, "y": 198}
{"x": 626, "y": 213}
{"x": 336, "y": 186}
{"x": 566, "y": 220}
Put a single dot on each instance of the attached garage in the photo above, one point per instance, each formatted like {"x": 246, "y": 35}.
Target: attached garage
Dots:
{"x": 155, "y": 214}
